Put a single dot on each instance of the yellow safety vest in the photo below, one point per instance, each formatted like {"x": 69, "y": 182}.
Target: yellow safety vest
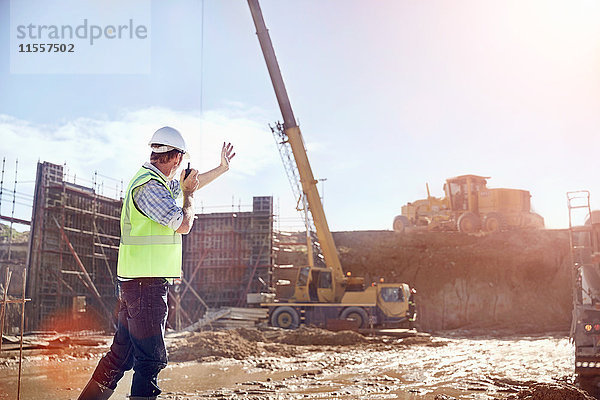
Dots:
{"x": 147, "y": 248}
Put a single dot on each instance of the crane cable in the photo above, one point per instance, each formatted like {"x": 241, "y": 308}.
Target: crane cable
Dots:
{"x": 201, "y": 60}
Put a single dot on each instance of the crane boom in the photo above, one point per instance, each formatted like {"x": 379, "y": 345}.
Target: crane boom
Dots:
{"x": 294, "y": 138}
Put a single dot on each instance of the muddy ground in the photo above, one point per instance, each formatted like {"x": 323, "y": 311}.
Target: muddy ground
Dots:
{"x": 315, "y": 364}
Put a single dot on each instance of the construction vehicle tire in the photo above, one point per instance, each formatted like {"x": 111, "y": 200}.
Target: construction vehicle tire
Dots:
{"x": 494, "y": 222}
{"x": 400, "y": 223}
{"x": 468, "y": 223}
{"x": 285, "y": 317}
{"x": 357, "y": 314}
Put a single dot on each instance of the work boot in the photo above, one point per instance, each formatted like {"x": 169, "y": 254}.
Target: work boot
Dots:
{"x": 95, "y": 391}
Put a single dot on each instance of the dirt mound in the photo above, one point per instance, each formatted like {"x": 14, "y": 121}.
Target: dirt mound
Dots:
{"x": 241, "y": 343}
{"x": 518, "y": 280}
{"x": 314, "y": 336}
{"x": 251, "y": 334}
{"x": 545, "y": 391}
{"x": 206, "y": 345}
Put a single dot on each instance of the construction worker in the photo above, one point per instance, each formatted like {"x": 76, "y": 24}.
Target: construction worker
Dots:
{"x": 149, "y": 259}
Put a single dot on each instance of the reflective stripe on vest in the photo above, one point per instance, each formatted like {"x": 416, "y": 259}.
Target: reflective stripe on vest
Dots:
{"x": 147, "y": 248}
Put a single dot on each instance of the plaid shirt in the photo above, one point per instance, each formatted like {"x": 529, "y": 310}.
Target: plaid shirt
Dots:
{"x": 154, "y": 200}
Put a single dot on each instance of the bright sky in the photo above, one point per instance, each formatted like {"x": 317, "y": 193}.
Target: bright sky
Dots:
{"x": 389, "y": 95}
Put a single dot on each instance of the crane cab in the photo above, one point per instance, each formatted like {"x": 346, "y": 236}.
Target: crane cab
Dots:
{"x": 314, "y": 285}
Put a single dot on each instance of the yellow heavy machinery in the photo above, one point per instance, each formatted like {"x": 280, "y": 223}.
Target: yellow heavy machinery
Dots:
{"x": 470, "y": 206}
{"x": 322, "y": 292}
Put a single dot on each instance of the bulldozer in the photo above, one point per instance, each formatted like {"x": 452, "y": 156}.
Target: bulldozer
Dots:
{"x": 469, "y": 206}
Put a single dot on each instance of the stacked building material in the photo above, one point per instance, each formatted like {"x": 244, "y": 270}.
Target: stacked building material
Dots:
{"x": 230, "y": 318}
{"x": 238, "y": 317}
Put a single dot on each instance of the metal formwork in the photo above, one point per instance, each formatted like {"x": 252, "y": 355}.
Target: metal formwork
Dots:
{"x": 226, "y": 256}
{"x": 73, "y": 254}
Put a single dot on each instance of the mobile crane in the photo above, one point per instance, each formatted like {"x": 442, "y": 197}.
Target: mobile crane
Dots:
{"x": 323, "y": 293}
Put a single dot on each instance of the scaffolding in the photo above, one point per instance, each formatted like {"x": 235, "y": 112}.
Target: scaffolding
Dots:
{"x": 73, "y": 253}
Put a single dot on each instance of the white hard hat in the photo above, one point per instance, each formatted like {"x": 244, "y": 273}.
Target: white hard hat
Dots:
{"x": 167, "y": 139}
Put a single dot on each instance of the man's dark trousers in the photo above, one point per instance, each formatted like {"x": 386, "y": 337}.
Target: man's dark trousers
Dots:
{"x": 139, "y": 340}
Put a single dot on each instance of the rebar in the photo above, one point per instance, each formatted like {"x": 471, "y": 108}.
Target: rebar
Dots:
{"x": 22, "y": 329}
{"x": 4, "y": 302}
{"x": 12, "y": 215}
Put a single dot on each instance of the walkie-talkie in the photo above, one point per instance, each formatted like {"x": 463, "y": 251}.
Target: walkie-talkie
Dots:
{"x": 187, "y": 171}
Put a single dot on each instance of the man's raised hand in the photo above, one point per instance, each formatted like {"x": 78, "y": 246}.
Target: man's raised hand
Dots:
{"x": 226, "y": 154}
